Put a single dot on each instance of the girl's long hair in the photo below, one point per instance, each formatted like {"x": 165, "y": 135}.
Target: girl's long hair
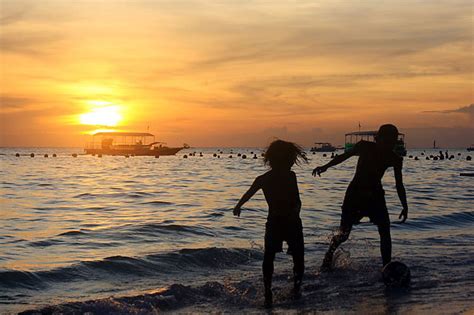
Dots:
{"x": 283, "y": 155}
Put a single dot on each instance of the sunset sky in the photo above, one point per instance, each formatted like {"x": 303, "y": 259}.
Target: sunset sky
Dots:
{"x": 236, "y": 72}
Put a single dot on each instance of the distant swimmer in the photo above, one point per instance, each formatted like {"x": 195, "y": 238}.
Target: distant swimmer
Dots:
{"x": 365, "y": 196}
{"x": 280, "y": 188}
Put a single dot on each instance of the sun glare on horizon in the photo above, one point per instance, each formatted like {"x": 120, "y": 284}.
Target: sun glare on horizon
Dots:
{"x": 102, "y": 114}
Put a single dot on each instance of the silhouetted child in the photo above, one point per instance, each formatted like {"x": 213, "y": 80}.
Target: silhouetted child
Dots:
{"x": 280, "y": 188}
{"x": 365, "y": 196}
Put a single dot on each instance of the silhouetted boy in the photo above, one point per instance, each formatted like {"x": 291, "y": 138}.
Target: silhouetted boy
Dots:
{"x": 280, "y": 188}
{"x": 365, "y": 196}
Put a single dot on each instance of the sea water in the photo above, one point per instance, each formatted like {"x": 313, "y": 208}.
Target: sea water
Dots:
{"x": 161, "y": 231}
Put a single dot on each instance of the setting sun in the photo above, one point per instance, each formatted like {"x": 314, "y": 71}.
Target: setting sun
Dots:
{"x": 102, "y": 115}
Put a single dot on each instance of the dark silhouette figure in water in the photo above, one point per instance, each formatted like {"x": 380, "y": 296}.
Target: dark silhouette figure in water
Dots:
{"x": 365, "y": 196}
{"x": 280, "y": 188}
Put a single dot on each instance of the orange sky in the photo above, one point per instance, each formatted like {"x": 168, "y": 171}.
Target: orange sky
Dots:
{"x": 236, "y": 73}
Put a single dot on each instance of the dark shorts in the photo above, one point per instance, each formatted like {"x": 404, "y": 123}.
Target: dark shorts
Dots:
{"x": 362, "y": 202}
{"x": 286, "y": 229}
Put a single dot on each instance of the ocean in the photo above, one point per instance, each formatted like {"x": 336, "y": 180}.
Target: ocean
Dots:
{"x": 142, "y": 235}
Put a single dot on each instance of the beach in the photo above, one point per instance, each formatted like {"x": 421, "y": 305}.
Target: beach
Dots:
{"x": 144, "y": 234}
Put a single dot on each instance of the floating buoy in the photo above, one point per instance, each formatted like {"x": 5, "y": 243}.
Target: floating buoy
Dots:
{"x": 244, "y": 156}
{"x": 127, "y": 156}
{"x": 93, "y": 154}
{"x": 99, "y": 155}
{"x": 54, "y": 155}
{"x": 459, "y": 154}
{"x": 74, "y": 155}
{"x": 32, "y": 155}
{"x": 416, "y": 158}
{"x": 185, "y": 156}
{"x": 314, "y": 152}
{"x": 324, "y": 155}
{"x": 218, "y": 156}
{"x": 422, "y": 153}
{"x": 251, "y": 152}
{"x": 17, "y": 155}
{"x": 410, "y": 156}
{"x": 230, "y": 156}
{"x": 468, "y": 158}
{"x": 214, "y": 155}
{"x": 157, "y": 156}
{"x": 238, "y": 154}
{"x": 46, "y": 155}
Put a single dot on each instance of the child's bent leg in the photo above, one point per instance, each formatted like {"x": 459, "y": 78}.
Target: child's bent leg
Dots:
{"x": 298, "y": 269}
{"x": 297, "y": 249}
{"x": 298, "y": 264}
{"x": 341, "y": 236}
{"x": 268, "y": 258}
{"x": 385, "y": 243}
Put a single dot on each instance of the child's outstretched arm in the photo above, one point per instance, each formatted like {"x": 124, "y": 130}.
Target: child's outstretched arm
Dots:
{"x": 401, "y": 191}
{"x": 252, "y": 190}
{"x": 338, "y": 159}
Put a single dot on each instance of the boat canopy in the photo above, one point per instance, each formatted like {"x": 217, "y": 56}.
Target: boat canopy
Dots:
{"x": 124, "y": 134}
{"x": 353, "y": 137}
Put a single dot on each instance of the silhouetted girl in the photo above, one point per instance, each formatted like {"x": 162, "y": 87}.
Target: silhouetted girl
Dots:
{"x": 280, "y": 188}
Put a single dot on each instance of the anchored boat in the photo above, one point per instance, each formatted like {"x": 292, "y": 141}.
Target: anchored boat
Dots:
{"x": 323, "y": 147}
{"x": 353, "y": 137}
{"x": 128, "y": 143}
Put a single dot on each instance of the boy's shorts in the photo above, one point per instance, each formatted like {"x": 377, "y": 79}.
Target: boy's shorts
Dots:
{"x": 362, "y": 202}
{"x": 281, "y": 229}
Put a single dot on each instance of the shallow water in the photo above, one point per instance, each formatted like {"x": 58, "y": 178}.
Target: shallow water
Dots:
{"x": 86, "y": 228}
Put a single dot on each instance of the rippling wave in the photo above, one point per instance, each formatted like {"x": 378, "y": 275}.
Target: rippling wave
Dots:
{"x": 452, "y": 220}
{"x": 150, "y": 265}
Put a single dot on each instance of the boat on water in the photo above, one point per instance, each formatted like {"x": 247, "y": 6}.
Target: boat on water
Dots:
{"x": 353, "y": 137}
{"x": 129, "y": 144}
{"x": 323, "y": 147}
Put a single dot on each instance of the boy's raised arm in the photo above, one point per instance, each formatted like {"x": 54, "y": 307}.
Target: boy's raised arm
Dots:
{"x": 401, "y": 191}
{"x": 338, "y": 159}
{"x": 252, "y": 190}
